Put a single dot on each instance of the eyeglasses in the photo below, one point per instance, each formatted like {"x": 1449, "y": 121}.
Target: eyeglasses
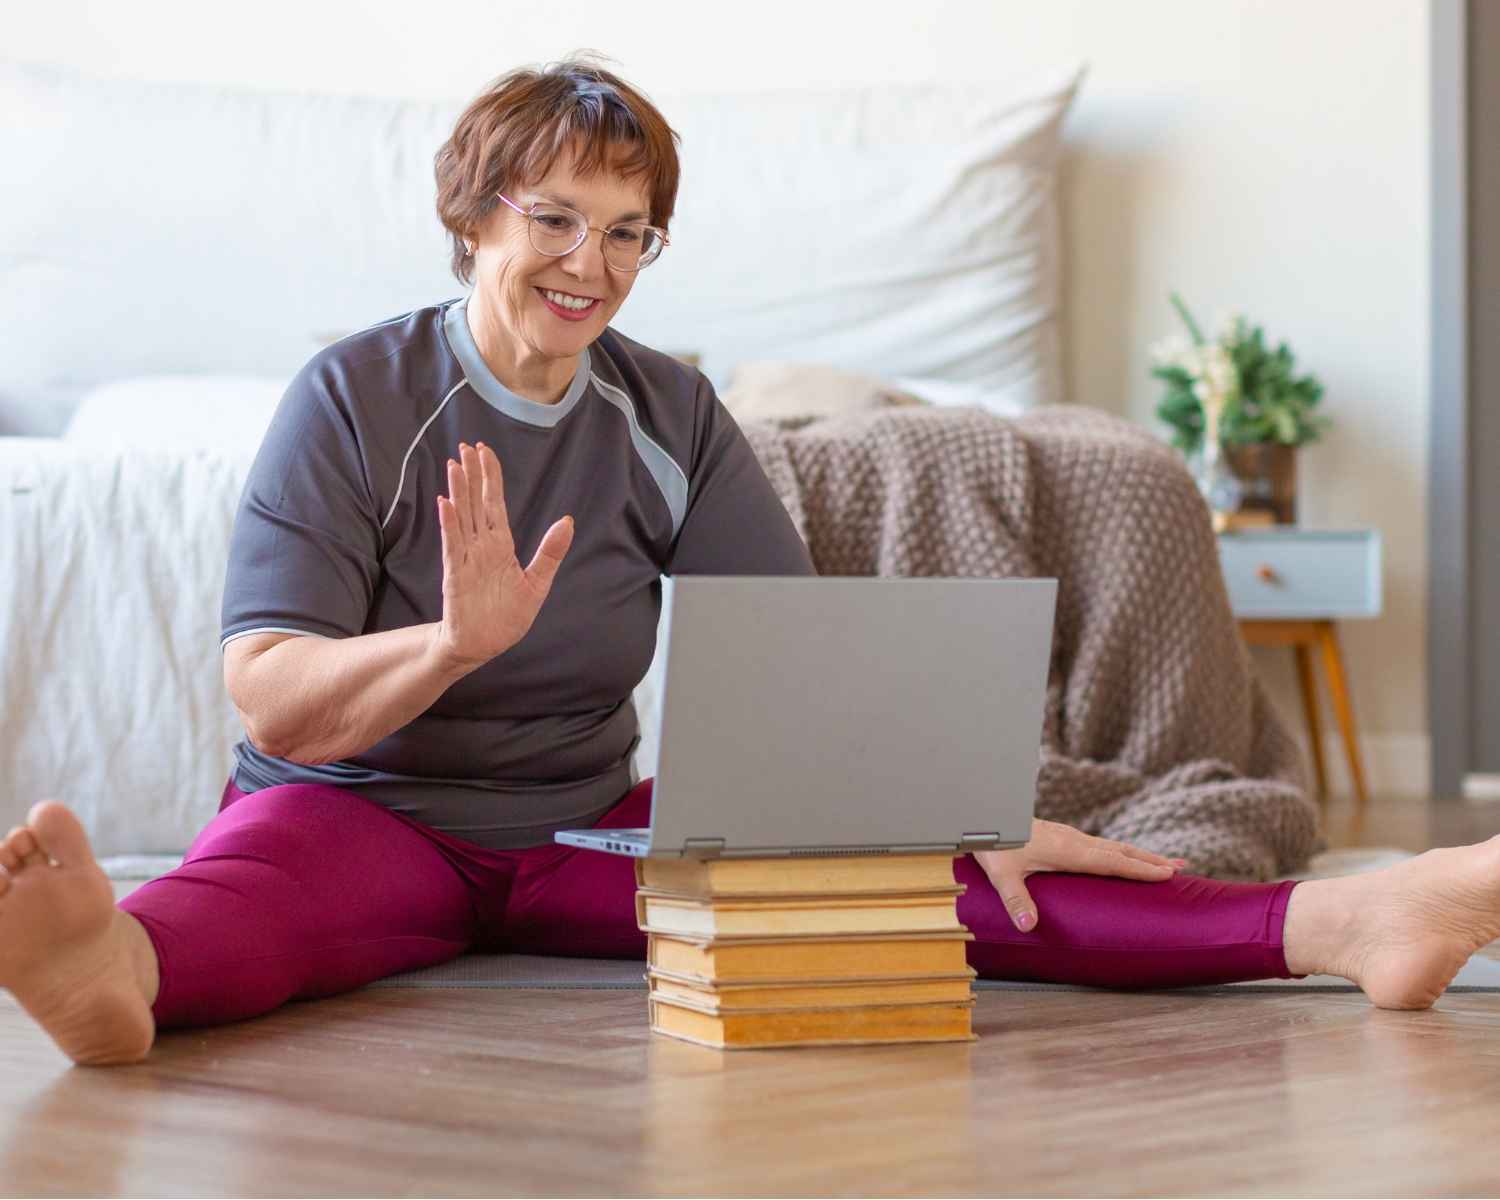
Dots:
{"x": 556, "y": 231}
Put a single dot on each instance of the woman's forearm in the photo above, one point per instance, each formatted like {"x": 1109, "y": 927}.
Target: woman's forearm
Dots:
{"x": 318, "y": 700}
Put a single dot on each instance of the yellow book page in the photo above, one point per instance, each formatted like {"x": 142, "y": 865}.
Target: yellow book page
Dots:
{"x": 814, "y": 874}
{"x": 842, "y": 995}
{"x": 802, "y": 961}
{"x": 702, "y": 918}
{"x": 820, "y": 1027}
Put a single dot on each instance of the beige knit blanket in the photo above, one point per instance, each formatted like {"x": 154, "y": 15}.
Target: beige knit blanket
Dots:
{"x": 1156, "y": 732}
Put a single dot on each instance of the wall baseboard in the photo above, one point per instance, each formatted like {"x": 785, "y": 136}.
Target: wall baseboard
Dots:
{"x": 1482, "y": 788}
{"x": 1396, "y": 764}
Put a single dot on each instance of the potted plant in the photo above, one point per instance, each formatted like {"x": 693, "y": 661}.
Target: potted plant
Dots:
{"x": 1235, "y": 403}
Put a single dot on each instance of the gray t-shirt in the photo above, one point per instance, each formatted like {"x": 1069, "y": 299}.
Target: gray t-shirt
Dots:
{"x": 337, "y": 535}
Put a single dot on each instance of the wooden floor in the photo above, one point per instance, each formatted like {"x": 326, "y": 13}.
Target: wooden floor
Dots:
{"x": 500, "y": 1092}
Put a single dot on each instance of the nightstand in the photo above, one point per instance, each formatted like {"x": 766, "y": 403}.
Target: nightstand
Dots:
{"x": 1290, "y": 586}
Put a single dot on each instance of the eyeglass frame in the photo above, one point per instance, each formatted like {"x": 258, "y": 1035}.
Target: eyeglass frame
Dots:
{"x": 587, "y": 229}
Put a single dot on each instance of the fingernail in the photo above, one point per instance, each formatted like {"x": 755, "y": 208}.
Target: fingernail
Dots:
{"x": 1025, "y": 921}
{"x": 1179, "y": 862}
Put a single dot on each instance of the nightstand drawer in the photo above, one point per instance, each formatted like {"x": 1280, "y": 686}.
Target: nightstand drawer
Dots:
{"x": 1289, "y": 574}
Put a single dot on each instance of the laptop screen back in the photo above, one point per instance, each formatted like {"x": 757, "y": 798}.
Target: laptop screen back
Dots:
{"x": 850, "y": 712}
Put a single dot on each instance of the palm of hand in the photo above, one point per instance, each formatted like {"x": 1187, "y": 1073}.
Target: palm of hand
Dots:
{"x": 489, "y": 600}
{"x": 489, "y": 604}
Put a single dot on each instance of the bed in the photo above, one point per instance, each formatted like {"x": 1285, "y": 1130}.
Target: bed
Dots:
{"x": 178, "y": 251}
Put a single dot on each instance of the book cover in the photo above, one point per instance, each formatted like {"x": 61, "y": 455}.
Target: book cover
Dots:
{"x": 667, "y": 912}
{"x": 816, "y": 1027}
{"x": 810, "y": 875}
{"x": 809, "y": 959}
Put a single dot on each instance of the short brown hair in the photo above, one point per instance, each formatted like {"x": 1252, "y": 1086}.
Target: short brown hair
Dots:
{"x": 515, "y": 129}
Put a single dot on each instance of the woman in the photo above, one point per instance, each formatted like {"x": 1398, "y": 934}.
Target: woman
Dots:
{"x": 421, "y": 713}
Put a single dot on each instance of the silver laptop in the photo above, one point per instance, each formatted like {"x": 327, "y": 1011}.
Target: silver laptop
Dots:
{"x": 840, "y": 715}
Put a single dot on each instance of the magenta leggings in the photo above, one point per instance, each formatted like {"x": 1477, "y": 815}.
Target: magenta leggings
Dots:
{"x": 301, "y": 891}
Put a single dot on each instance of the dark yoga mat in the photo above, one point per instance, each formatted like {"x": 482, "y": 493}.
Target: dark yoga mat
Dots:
{"x": 536, "y": 971}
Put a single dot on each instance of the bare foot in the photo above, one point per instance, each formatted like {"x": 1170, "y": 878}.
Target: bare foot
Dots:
{"x": 73, "y": 960}
{"x": 1403, "y": 933}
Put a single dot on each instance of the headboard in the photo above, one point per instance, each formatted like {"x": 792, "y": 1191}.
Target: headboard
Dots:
{"x": 152, "y": 229}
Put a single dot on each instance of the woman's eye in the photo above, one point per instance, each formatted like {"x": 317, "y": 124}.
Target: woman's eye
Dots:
{"x": 626, "y": 236}
{"x": 552, "y": 223}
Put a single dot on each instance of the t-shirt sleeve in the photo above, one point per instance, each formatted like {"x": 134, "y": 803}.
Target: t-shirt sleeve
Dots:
{"x": 304, "y": 554}
{"x": 733, "y": 524}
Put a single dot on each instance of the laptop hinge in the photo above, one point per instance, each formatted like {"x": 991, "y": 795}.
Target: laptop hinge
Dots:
{"x": 703, "y": 847}
{"x": 970, "y": 842}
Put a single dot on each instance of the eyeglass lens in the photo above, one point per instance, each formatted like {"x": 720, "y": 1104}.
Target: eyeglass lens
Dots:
{"x": 559, "y": 231}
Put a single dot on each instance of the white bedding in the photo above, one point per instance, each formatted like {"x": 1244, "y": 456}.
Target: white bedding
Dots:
{"x": 111, "y": 697}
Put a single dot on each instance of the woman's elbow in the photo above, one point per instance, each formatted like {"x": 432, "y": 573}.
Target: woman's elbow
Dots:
{"x": 268, "y": 741}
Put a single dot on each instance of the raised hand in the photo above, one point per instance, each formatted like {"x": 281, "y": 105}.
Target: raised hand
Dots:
{"x": 489, "y": 601}
{"x": 1055, "y": 847}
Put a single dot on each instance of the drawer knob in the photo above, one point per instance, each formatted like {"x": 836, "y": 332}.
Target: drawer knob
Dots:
{"x": 1267, "y": 573}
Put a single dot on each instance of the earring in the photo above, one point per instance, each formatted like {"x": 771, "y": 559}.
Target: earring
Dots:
{"x": 469, "y": 248}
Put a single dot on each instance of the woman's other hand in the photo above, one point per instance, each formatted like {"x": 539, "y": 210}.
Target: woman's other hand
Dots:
{"x": 1055, "y": 847}
{"x": 489, "y": 601}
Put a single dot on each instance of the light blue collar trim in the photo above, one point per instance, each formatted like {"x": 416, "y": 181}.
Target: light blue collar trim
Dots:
{"x": 495, "y": 393}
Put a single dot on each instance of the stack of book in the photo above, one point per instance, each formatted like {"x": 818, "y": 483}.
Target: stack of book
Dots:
{"x": 760, "y": 952}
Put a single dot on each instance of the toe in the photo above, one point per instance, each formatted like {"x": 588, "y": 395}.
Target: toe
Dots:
{"x": 22, "y": 843}
{"x": 60, "y": 833}
{"x": 9, "y": 859}
{"x": 4, "y": 882}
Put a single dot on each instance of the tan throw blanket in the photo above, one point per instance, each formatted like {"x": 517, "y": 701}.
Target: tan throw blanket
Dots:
{"x": 1156, "y": 732}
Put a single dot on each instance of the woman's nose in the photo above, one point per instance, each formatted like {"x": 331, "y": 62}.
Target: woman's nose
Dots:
{"x": 586, "y": 260}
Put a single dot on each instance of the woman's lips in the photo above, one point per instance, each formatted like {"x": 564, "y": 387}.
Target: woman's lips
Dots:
{"x": 569, "y": 314}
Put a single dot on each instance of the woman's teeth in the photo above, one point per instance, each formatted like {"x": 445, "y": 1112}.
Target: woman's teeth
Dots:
{"x": 563, "y": 300}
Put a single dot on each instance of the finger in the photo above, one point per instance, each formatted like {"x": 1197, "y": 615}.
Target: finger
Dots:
{"x": 473, "y": 482}
{"x": 1003, "y": 871}
{"x": 1160, "y": 860}
{"x": 493, "y": 489}
{"x": 454, "y": 547}
{"x": 458, "y": 495}
{"x": 549, "y": 555}
{"x": 1018, "y": 902}
{"x": 1109, "y": 858}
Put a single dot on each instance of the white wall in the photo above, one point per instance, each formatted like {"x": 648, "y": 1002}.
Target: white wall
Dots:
{"x": 1267, "y": 156}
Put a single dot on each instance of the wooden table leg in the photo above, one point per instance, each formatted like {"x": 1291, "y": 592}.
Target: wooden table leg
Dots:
{"x": 1343, "y": 710}
{"x": 1308, "y": 679}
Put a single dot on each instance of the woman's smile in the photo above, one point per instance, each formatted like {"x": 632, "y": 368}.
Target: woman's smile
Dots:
{"x": 568, "y": 306}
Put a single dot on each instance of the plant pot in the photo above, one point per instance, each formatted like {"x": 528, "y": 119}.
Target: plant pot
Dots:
{"x": 1267, "y": 472}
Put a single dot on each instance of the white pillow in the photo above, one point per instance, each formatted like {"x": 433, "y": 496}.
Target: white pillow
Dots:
{"x": 900, "y": 231}
{"x": 228, "y": 413}
{"x": 777, "y": 391}
{"x": 780, "y": 391}
{"x": 949, "y": 393}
